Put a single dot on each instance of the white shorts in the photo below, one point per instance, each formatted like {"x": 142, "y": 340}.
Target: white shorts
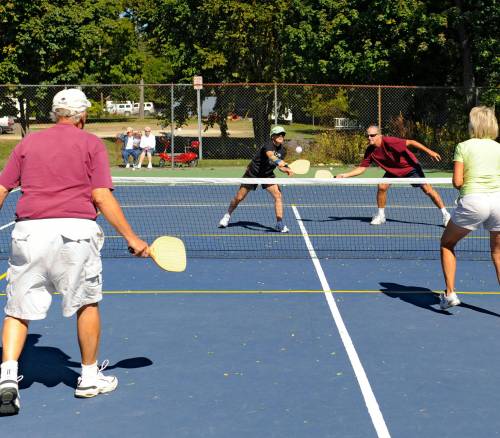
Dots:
{"x": 53, "y": 255}
{"x": 476, "y": 209}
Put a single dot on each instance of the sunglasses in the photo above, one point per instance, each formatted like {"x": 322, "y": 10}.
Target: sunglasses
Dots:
{"x": 281, "y": 134}
{"x": 372, "y": 135}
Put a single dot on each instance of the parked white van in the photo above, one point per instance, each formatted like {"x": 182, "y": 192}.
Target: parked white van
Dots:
{"x": 120, "y": 108}
{"x": 149, "y": 108}
{"x": 6, "y": 124}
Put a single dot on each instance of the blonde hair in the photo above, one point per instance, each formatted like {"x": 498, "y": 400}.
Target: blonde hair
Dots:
{"x": 483, "y": 123}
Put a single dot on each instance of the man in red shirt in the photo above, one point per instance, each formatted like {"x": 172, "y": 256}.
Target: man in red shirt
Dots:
{"x": 65, "y": 179}
{"x": 392, "y": 155}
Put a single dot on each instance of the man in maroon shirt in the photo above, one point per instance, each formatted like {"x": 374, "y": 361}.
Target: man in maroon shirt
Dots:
{"x": 392, "y": 155}
{"x": 65, "y": 179}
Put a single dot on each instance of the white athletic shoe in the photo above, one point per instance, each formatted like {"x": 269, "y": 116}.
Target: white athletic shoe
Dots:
{"x": 446, "y": 218}
{"x": 150, "y": 166}
{"x": 139, "y": 166}
{"x": 281, "y": 227}
{"x": 100, "y": 385}
{"x": 9, "y": 397}
{"x": 224, "y": 222}
{"x": 447, "y": 301}
{"x": 378, "y": 219}
{"x": 127, "y": 166}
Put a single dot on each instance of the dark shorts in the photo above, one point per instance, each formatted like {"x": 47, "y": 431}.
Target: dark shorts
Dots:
{"x": 416, "y": 172}
{"x": 249, "y": 174}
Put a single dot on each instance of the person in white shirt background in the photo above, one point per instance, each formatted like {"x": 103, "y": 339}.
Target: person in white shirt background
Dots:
{"x": 148, "y": 145}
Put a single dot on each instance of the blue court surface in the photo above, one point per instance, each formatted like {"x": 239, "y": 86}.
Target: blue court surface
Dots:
{"x": 269, "y": 346}
{"x": 255, "y": 348}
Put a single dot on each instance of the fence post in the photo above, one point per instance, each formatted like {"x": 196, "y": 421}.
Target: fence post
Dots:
{"x": 172, "y": 127}
{"x": 141, "y": 99}
{"x": 380, "y": 108}
{"x": 198, "y": 104}
{"x": 275, "y": 104}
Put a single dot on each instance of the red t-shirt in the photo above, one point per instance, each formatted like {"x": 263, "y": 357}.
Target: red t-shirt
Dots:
{"x": 57, "y": 169}
{"x": 393, "y": 156}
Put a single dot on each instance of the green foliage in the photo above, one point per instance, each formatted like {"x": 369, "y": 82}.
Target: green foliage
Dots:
{"x": 324, "y": 108}
{"x": 336, "y": 148}
{"x": 442, "y": 140}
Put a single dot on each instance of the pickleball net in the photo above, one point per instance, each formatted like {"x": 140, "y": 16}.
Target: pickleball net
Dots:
{"x": 334, "y": 214}
{"x": 330, "y": 215}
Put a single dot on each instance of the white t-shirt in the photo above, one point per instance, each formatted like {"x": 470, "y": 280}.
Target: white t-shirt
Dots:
{"x": 129, "y": 142}
{"x": 148, "y": 142}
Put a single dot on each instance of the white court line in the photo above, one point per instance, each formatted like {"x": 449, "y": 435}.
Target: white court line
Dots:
{"x": 7, "y": 225}
{"x": 370, "y": 400}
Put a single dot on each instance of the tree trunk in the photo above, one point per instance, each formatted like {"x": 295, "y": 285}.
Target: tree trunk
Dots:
{"x": 468, "y": 78}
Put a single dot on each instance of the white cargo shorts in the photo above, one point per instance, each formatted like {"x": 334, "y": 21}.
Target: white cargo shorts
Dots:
{"x": 476, "y": 209}
{"x": 53, "y": 255}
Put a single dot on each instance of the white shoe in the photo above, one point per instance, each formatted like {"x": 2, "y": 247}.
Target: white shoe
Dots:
{"x": 447, "y": 301}
{"x": 139, "y": 166}
{"x": 224, "y": 222}
{"x": 281, "y": 227}
{"x": 150, "y": 166}
{"x": 446, "y": 218}
{"x": 127, "y": 166}
{"x": 100, "y": 385}
{"x": 9, "y": 397}
{"x": 378, "y": 219}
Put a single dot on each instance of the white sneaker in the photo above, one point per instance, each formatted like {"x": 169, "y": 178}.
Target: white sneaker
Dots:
{"x": 139, "y": 166}
{"x": 378, "y": 219}
{"x": 150, "y": 166}
{"x": 224, "y": 222}
{"x": 9, "y": 397}
{"x": 447, "y": 301}
{"x": 281, "y": 227}
{"x": 127, "y": 166}
{"x": 100, "y": 385}
{"x": 446, "y": 218}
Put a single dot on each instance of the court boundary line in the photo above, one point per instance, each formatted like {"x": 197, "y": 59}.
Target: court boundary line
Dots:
{"x": 272, "y": 292}
{"x": 366, "y": 389}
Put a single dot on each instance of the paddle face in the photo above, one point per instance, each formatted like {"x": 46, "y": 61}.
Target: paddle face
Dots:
{"x": 323, "y": 173}
{"x": 300, "y": 167}
{"x": 169, "y": 253}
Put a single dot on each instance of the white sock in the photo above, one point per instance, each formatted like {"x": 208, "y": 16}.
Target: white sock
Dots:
{"x": 381, "y": 212}
{"x": 444, "y": 211}
{"x": 89, "y": 372}
{"x": 9, "y": 370}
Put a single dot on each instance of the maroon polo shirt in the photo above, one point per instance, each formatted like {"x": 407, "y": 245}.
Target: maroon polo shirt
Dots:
{"x": 393, "y": 156}
{"x": 57, "y": 169}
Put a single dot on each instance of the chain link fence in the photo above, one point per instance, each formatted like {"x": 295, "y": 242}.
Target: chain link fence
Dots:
{"x": 231, "y": 121}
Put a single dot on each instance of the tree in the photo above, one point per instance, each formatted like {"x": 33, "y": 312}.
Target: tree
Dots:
{"x": 65, "y": 42}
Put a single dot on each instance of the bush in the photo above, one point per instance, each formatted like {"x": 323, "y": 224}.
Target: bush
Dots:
{"x": 442, "y": 140}
{"x": 335, "y": 148}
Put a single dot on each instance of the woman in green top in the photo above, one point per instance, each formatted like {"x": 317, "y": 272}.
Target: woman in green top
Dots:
{"x": 476, "y": 173}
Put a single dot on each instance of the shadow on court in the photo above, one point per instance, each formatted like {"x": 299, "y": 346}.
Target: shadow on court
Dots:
{"x": 424, "y": 298}
{"x": 252, "y": 226}
{"x": 50, "y": 366}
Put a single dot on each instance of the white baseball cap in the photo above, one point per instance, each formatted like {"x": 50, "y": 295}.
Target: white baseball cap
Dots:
{"x": 71, "y": 99}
